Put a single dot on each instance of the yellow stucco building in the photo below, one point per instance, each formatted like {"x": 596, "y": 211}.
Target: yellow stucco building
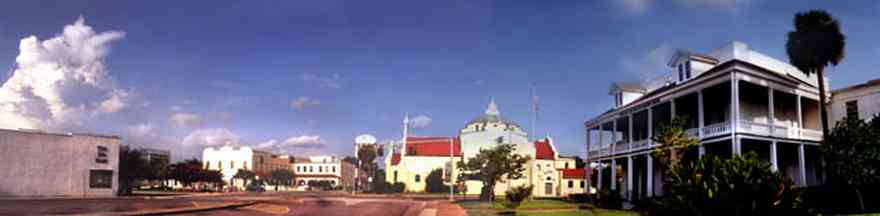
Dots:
{"x": 551, "y": 175}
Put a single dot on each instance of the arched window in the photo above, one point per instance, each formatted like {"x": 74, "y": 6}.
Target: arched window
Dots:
{"x": 418, "y": 178}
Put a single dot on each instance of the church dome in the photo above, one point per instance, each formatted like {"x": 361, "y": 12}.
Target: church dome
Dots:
{"x": 492, "y": 116}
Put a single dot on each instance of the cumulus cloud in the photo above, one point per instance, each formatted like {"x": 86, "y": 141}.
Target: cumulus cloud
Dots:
{"x": 211, "y": 137}
{"x": 140, "y": 130}
{"x": 302, "y": 102}
{"x": 305, "y": 141}
{"x": 62, "y": 80}
{"x": 268, "y": 144}
{"x": 421, "y": 121}
{"x": 650, "y": 64}
{"x": 333, "y": 81}
{"x": 185, "y": 119}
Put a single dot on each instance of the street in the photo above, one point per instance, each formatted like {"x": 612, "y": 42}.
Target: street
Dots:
{"x": 269, "y": 203}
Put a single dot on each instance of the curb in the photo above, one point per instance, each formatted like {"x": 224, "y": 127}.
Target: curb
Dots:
{"x": 180, "y": 210}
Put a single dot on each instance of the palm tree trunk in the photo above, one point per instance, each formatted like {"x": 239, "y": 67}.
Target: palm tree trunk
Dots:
{"x": 859, "y": 196}
{"x": 822, "y": 102}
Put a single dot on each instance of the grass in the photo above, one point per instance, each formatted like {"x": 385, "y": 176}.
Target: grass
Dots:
{"x": 538, "y": 207}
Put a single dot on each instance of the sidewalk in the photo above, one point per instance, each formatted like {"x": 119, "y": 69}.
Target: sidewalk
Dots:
{"x": 445, "y": 208}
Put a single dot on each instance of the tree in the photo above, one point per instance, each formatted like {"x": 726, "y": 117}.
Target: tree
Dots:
{"x": 674, "y": 143}
{"x": 186, "y": 172}
{"x": 579, "y": 162}
{"x": 366, "y": 155}
{"x": 281, "y": 177}
{"x": 516, "y": 195}
{"x": 434, "y": 182}
{"x": 816, "y": 42}
{"x": 490, "y": 165}
{"x": 852, "y": 153}
{"x": 132, "y": 167}
{"x": 245, "y": 175}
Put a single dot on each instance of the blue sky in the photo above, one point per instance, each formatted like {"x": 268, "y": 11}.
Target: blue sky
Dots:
{"x": 312, "y": 75}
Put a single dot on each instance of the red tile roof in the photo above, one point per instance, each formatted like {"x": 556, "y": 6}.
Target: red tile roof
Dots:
{"x": 432, "y": 146}
{"x": 395, "y": 159}
{"x": 574, "y": 173}
{"x": 543, "y": 151}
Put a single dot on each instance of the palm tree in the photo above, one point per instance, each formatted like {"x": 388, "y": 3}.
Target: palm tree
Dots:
{"x": 815, "y": 42}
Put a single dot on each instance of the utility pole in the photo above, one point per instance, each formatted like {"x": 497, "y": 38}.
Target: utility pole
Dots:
{"x": 449, "y": 170}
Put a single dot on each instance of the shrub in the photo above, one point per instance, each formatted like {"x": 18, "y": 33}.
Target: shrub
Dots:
{"x": 579, "y": 197}
{"x": 516, "y": 195}
{"x": 397, "y": 187}
{"x": 610, "y": 199}
{"x": 742, "y": 185}
{"x": 434, "y": 182}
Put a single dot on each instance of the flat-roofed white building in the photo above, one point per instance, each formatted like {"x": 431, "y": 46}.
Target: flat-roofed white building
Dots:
{"x": 317, "y": 168}
{"x": 860, "y": 101}
{"x": 37, "y": 163}
{"x": 228, "y": 160}
{"x": 735, "y": 100}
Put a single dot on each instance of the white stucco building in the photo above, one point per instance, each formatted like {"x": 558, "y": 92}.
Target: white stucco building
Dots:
{"x": 735, "y": 100}
{"x": 417, "y": 157}
{"x": 228, "y": 160}
{"x": 317, "y": 168}
{"x": 860, "y": 101}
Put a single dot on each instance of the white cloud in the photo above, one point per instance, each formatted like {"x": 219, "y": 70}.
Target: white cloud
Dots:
{"x": 302, "y": 102}
{"x": 211, "y": 137}
{"x": 61, "y": 81}
{"x": 176, "y": 108}
{"x": 421, "y": 121}
{"x": 333, "y": 81}
{"x": 185, "y": 119}
{"x": 268, "y": 144}
{"x": 140, "y": 130}
{"x": 720, "y": 4}
{"x": 651, "y": 64}
{"x": 305, "y": 141}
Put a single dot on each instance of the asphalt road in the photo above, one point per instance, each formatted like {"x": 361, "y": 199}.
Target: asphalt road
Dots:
{"x": 287, "y": 203}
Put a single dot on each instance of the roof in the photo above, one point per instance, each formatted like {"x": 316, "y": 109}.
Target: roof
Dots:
{"x": 869, "y": 83}
{"x": 395, "y": 159}
{"x": 491, "y": 115}
{"x": 579, "y": 173}
{"x": 432, "y": 146}
{"x": 544, "y": 150}
{"x": 627, "y": 86}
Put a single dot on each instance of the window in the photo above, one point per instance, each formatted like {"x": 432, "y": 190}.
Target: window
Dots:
{"x": 395, "y": 176}
{"x": 418, "y": 178}
{"x": 582, "y": 183}
{"x": 101, "y": 156}
{"x": 320, "y": 169}
{"x": 220, "y": 165}
{"x": 852, "y": 109}
{"x": 231, "y": 164}
{"x": 570, "y": 184}
{"x": 566, "y": 165}
{"x": 311, "y": 169}
{"x": 334, "y": 169}
{"x": 100, "y": 178}
{"x": 207, "y": 165}
{"x": 680, "y": 72}
{"x": 687, "y": 70}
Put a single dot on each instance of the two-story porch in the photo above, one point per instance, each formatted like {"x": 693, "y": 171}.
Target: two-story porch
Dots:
{"x": 734, "y": 108}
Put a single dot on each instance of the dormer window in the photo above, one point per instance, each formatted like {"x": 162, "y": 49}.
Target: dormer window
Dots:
{"x": 680, "y": 72}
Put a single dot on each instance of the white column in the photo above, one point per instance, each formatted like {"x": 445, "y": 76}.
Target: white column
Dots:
{"x": 614, "y": 135}
{"x": 672, "y": 109}
{"x": 800, "y": 117}
{"x": 601, "y": 137}
{"x": 802, "y": 165}
{"x": 771, "y": 119}
{"x": 629, "y": 177}
{"x": 613, "y": 174}
{"x": 650, "y": 126}
{"x": 700, "y": 114}
{"x": 630, "y": 128}
{"x": 774, "y": 163}
{"x": 650, "y": 176}
{"x": 599, "y": 177}
{"x": 734, "y": 85}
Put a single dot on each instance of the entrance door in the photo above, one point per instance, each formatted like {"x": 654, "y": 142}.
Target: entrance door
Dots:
{"x": 548, "y": 188}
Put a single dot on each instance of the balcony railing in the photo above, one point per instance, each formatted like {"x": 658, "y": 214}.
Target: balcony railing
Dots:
{"x": 621, "y": 147}
{"x": 754, "y": 127}
{"x": 811, "y": 134}
{"x": 716, "y": 129}
{"x": 640, "y": 143}
{"x": 693, "y": 132}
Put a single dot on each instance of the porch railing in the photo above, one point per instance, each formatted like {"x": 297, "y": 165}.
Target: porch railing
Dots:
{"x": 716, "y": 129}
{"x": 621, "y": 147}
{"x": 640, "y": 143}
{"x": 693, "y": 132}
{"x": 811, "y": 134}
{"x": 754, "y": 127}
